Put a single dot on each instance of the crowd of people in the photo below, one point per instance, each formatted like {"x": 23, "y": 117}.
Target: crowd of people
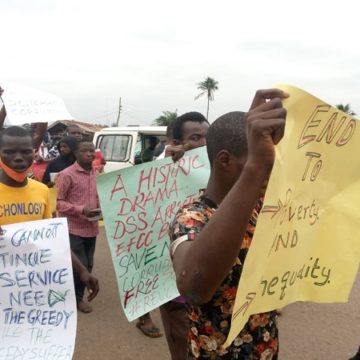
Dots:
{"x": 209, "y": 238}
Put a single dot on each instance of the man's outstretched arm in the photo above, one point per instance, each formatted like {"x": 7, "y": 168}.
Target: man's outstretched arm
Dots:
{"x": 39, "y": 134}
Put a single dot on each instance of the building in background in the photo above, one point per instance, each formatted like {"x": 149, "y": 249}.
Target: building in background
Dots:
{"x": 87, "y": 128}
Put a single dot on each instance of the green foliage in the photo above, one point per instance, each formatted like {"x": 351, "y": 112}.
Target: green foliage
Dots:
{"x": 346, "y": 109}
{"x": 166, "y": 118}
{"x": 207, "y": 87}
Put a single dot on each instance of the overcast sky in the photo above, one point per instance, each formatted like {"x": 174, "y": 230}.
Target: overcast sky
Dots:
{"x": 153, "y": 53}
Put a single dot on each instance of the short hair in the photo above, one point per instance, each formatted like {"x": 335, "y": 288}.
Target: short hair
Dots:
{"x": 153, "y": 139}
{"x": 72, "y": 126}
{"x": 83, "y": 141}
{"x": 15, "y": 131}
{"x": 193, "y": 116}
{"x": 228, "y": 132}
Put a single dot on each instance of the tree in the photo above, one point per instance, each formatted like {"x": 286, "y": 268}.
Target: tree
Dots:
{"x": 166, "y": 118}
{"x": 346, "y": 109}
{"x": 207, "y": 87}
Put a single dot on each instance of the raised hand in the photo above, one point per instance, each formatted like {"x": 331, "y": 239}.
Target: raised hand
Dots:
{"x": 176, "y": 151}
{"x": 265, "y": 126}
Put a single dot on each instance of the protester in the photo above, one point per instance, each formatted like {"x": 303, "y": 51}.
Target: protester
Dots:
{"x": 74, "y": 131}
{"x": 148, "y": 153}
{"x": 56, "y": 136}
{"x": 191, "y": 129}
{"x": 16, "y": 157}
{"x": 53, "y": 152}
{"x": 208, "y": 259}
{"x": 189, "y": 132}
{"x": 66, "y": 147}
{"x": 99, "y": 162}
{"x": 164, "y": 144}
{"x": 78, "y": 202}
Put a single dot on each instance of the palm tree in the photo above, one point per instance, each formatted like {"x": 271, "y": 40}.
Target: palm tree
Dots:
{"x": 346, "y": 109}
{"x": 166, "y": 118}
{"x": 208, "y": 86}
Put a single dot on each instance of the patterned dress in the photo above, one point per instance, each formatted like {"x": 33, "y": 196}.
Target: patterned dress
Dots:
{"x": 210, "y": 322}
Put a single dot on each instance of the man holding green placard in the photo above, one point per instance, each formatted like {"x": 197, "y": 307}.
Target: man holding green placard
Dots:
{"x": 189, "y": 132}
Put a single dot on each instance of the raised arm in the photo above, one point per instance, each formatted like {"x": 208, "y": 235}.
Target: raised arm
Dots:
{"x": 39, "y": 134}
{"x": 202, "y": 265}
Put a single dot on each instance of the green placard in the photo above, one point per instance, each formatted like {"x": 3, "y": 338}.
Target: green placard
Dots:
{"x": 138, "y": 203}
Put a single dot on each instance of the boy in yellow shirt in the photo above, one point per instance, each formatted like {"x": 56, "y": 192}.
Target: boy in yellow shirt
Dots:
{"x": 24, "y": 199}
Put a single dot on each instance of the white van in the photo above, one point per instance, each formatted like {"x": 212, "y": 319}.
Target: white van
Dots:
{"x": 125, "y": 146}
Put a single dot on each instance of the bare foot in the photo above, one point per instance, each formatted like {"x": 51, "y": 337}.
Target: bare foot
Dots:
{"x": 84, "y": 307}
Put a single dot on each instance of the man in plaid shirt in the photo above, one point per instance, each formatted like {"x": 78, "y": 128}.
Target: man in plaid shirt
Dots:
{"x": 78, "y": 202}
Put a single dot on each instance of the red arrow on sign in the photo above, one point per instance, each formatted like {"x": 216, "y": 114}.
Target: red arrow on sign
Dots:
{"x": 243, "y": 308}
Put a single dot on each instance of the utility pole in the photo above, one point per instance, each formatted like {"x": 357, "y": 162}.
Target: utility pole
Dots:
{"x": 118, "y": 118}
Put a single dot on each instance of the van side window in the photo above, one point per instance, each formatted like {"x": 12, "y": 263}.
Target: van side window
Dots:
{"x": 138, "y": 151}
{"x": 114, "y": 147}
{"x": 147, "y": 153}
{"x": 145, "y": 147}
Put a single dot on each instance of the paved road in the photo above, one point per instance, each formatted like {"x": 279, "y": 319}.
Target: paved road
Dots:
{"x": 307, "y": 331}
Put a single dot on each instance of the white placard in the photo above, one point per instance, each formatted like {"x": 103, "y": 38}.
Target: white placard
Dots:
{"x": 53, "y": 176}
{"x": 27, "y": 105}
{"x": 37, "y": 298}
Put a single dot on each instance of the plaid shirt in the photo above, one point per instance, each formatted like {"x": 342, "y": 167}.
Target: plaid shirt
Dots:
{"x": 77, "y": 190}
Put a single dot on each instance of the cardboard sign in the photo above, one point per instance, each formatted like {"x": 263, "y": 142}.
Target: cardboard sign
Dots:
{"x": 26, "y": 105}
{"x": 37, "y": 297}
{"x": 138, "y": 203}
{"x": 306, "y": 245}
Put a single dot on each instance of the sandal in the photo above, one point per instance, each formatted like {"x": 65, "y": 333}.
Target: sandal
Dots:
{"x": 150, "y": 331}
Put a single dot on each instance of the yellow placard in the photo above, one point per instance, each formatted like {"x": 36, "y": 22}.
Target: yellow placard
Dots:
{"x": 306, "y": 245}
